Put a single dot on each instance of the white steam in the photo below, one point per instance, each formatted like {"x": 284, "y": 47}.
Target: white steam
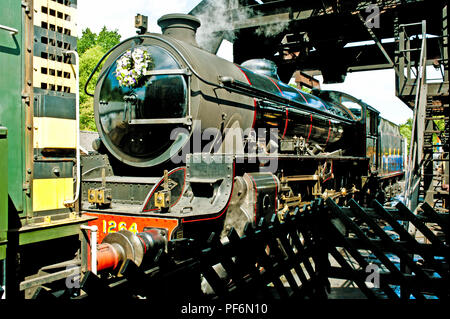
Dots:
{"x": 217, "y": 17}
{"x": 222, "y": 16}
{"x": 273, "y": 29}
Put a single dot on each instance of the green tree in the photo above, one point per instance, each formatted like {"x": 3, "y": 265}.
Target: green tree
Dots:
{"x": 91, "y": 48}
{"x": 405, "y": 131}
{"x": 87, "y": 40}
{"x": 439, "y": 125}
{"x": 303, "y": 88}
{"x": 107, "y": 39}
{"x": 88, "y": 61}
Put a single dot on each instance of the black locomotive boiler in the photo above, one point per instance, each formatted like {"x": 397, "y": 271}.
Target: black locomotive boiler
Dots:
{"x": 190, "y": 143}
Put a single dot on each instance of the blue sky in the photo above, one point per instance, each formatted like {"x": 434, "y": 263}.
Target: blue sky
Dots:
{"x": 375, "y": 87}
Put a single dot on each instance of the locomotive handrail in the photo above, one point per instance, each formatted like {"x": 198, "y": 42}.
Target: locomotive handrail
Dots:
{"x": 77, "y": 114}
{"x": 12, "y": 31}
{"x": 243, "y": 88}
{"x": 168, "y": 72}
{"x": 182, "y": 120}
{"x": 98, "y": 64}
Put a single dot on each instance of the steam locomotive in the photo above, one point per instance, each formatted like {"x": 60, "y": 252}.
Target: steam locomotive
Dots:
{"x": 190, "y": 143}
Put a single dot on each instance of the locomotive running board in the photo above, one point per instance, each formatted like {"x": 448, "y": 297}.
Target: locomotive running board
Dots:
{"x": 209, "y": 186}
{"x": 201, "y": 190}
{"x": 241, "y": 158}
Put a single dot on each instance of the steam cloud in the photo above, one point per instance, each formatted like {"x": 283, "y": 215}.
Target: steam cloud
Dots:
{"x": 216, "y": 17}
{"x": 272, "y": 29}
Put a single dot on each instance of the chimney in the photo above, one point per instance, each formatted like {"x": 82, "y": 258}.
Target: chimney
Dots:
{"x": 180, "y": 26}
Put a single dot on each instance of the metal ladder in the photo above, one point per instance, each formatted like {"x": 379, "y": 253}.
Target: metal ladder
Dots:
{"x": 427, "y": 170}
{"x": 413, "y": 173}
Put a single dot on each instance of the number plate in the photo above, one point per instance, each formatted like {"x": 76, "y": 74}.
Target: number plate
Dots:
{"x": 107, "y": 223}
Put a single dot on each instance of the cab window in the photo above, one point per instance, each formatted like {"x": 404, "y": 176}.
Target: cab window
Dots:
{"x": 371, "y": 123}
{"x": 354, "y": 107}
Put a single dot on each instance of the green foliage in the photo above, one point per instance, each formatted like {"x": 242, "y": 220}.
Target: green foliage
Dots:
{"x": 87, "y": 121}
{"x": 303, "y": 88}
{"x": 88, "y": 61}
{"x": 439, "y": 125}
{"x": 91, "y": 48}
{"x": 406, "y": 128}
{"x": 405, "y": 131}
{"x": 107, "y": 39}
{"x": 87, "y": 40}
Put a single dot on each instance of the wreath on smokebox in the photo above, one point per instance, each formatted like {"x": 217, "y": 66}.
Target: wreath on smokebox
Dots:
{"x": 131, "y": 67}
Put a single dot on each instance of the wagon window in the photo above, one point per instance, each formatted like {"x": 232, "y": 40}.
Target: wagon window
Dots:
{"x": 372, "y": 123}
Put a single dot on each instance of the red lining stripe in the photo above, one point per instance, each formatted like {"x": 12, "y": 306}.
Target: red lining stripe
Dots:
{"x": 331, "y": 172}
{"x": 254, "y": 113}
{"x": 159, "y": 184}
{"x": 285, "y": 123}
{"x": 143, "y": 244}
{"x": 329, "y": 131}
{"x": 310, "y": 129}
{"x": 287, "y": 108}
{"x": 299, "y": 91}
{"x": 276, "y": 193}
{"x": 245, "y": 74}
{"x": 275, "y": 84}
{"x": 254, "y": 100}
